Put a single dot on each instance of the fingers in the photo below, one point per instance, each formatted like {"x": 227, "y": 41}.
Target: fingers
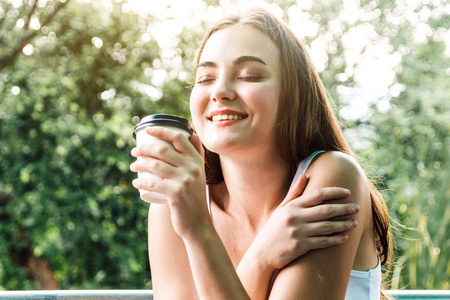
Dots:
{"x": 176, "y": 138}
{"x": 328, "y": 211}
{"x": 153, "y": 185}
{"x": 171, "y": 150}
{"x": 296, "y": 190}
{"x": 175, "y": 159}
{"x": 167, "y": 188}
{"x": 327, "y": 228}
{"x": 321, "y": 195}
{"x": 328, "y": 234}
{"x": 154, "y": 166}
{"x": 326, "y": 241}
{"x": 158, "y": 151}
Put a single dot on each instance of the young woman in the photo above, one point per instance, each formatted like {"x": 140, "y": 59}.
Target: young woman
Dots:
{"x": 253, "y": 209}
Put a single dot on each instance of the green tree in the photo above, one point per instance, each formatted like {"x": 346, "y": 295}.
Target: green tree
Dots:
{"x": 70, "y": 217}
{"x": 412, "y": 144}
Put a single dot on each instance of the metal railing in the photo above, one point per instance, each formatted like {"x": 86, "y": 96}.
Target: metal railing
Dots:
{"x": 148, "y": 294}
{"x": 420, "y": 294}
{"x": 79, "y": 294}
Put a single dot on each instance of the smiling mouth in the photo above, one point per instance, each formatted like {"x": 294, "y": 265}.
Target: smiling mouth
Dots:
{"x": 227, "y": 117}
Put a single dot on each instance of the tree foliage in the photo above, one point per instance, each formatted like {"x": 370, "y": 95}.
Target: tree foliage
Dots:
{"x": 76, "y": 76}
{"x": 412, "y": 144}
{"x": 66, "y": 123}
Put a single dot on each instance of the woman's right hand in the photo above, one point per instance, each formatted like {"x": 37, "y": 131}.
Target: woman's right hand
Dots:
{"x": 183, "y": 178}
{"x": 302, "y": 223}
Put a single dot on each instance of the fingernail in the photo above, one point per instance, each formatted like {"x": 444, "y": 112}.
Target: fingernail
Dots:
{"x": 132, "y": 167}
{"x": 133, "y": 151}
{"x": 344, "y": 237}
{"x": 356, "y": 207}
{"x": 135, "y": 183}
{"x": 354, "y": 223}
{"x": 347, "y": 191}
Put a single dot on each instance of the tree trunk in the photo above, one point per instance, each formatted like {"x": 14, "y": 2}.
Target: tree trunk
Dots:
{"x": 40, "y": 271}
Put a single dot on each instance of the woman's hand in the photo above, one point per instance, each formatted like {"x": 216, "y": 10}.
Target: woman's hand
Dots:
{"x": 302, "y": 223}
{"x": 183, "y": 178}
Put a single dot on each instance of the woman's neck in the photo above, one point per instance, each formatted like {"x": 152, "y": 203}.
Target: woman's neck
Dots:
{"x": 253, "y": 187}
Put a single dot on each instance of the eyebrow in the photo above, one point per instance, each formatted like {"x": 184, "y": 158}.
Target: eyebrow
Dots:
{"x": 237, "y": 61}
{"x": 245, "y": 58}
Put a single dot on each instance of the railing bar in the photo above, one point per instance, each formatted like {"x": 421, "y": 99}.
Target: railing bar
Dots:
{"x": 79, "y": 294}
{"x": 148, "y": 294}
{"x": 429, "y": 292}
{"x": 420, "y": 294}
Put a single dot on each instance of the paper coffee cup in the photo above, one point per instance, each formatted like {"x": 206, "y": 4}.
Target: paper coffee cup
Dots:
{"x": 169, "y": 121}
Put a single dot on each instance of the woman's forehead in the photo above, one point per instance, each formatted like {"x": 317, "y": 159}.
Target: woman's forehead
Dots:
{"x": 239, "y": 40}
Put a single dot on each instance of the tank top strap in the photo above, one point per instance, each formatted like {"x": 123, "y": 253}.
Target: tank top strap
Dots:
{"x": 304, "y": 164}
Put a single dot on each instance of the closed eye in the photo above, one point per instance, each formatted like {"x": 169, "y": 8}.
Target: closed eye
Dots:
{"x": 205, "y": 81}
{"x": 251, "y": 78}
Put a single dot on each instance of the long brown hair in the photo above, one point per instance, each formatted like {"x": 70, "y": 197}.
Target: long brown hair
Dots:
{"x": 305, "y": 119}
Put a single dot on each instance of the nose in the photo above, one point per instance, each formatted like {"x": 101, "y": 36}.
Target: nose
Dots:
{"x": 223, "y": 90}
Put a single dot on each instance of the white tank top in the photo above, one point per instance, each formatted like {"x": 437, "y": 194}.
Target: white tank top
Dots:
{"x": 362, "y": 285}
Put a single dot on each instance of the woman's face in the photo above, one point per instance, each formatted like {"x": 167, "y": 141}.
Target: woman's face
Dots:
{"x": 234, "y": 102}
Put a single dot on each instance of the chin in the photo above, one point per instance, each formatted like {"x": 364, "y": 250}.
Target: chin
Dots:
{"x": 222, "y": 146}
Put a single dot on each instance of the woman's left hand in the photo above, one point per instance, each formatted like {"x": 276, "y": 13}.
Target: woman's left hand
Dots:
{"x": 302, "y": 222}
{"x": 183, "y": 178}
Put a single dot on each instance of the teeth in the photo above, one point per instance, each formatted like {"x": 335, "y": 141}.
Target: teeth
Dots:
{"x": 227, "y": 117}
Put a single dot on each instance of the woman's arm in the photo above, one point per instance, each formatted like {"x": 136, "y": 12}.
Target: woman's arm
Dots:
{"x": 297, "y": 226}
{"x": 169, "y": 263}
{"x": 194, "y": 264}
{"x": 324, "y": 273}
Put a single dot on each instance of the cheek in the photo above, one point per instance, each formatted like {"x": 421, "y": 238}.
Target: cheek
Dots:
{"x": 266, "y": 100}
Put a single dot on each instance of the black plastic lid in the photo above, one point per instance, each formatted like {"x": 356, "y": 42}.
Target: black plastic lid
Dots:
{"x": 163, "y": 120}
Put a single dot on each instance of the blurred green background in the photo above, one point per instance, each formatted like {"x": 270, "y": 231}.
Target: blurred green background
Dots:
{"x": 77, "y": 75}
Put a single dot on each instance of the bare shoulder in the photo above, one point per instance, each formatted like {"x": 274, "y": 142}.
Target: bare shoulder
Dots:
{"x": 335, "y": 168}
{"x": 337, "y": 162}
